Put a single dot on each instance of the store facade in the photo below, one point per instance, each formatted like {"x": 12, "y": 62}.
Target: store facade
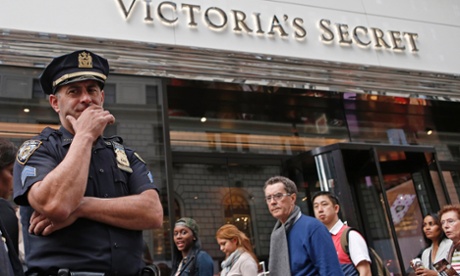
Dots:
{"x": 219, "y": 96}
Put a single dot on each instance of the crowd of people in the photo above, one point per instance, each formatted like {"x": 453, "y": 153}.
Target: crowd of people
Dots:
{"x": 85, "y": 200}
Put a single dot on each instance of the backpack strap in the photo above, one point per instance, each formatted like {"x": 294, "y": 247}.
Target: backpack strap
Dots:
{"x": 193, "y": 267}
{"x": 344, "y": 239}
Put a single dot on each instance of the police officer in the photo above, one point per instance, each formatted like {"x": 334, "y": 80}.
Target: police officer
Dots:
{"x": 85, "y": 199}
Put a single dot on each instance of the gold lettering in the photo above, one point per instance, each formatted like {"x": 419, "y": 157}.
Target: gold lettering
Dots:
{"x": 342, "y": 29}
{"x": 217, "y": 18}
{"x": 239, "y": 21}
{"x": 358, "y": 40}
{"x": 299, "y": 30}
{"x": 222, "y": 15}
{"x": 126, "y": 12}
{"x": 396, "y": 39}
{"x": 191, "y": 11}
{"x": 173, "y": 7}
{"x": 379, "y": 38}
{"x": 276, "y": 25}
{"x": 259, "y": 25}
{"x": 364, "y": 37}
{"x": 411, "y": 39}
{"x": 148, "y": 17}
{"x": 328, "y": 35}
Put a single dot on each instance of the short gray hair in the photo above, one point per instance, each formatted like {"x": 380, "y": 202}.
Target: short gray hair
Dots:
{"x": 289, "y": 185}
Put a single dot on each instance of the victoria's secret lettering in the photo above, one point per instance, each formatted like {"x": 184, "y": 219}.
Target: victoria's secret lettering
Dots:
{"x": 365, "y": 37}
{"x": 217, "y": 19}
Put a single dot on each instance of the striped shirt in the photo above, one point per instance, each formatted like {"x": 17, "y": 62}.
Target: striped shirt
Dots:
{"x": 456, "y": 261}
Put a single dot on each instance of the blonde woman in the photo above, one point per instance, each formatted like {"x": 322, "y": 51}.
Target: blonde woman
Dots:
{"x": 240, "y": 259}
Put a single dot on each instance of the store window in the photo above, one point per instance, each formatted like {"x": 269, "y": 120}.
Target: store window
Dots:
{"x": 237, "y": 211}
{"x": 241, "y": 118}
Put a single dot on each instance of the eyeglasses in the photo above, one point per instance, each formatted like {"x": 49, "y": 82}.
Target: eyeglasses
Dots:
{"x": 448, "y": 221}
{"x": 275, "y": 197}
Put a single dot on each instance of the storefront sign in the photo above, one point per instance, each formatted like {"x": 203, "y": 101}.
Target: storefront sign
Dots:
{"x": 268, "y": 25}
{"x": 412, "y": 36}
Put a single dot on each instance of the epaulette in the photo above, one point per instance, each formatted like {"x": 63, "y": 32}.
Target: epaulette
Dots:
{"x": 47, "y": 132}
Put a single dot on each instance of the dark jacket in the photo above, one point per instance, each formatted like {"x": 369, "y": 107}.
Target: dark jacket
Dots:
{"x": 198, "y": 263}
{"x": 9, "y": 260}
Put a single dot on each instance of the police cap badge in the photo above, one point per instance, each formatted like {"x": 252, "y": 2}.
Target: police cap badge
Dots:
{"x": 77, "y": 66}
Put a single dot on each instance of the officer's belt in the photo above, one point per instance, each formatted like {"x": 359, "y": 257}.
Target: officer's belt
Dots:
{"x": 82, "y": 273}
{"x": 66, "y": 272}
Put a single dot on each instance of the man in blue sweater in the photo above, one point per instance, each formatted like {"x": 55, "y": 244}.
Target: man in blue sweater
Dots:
{"x": 300, "y": 245}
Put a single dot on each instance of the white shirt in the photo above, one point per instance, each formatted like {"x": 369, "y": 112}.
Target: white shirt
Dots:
{"x": 356, "y": 244}
{"x": 442, "y": 253}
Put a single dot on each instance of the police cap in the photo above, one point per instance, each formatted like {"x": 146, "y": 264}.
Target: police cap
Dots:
{"x": 77, "y": 66}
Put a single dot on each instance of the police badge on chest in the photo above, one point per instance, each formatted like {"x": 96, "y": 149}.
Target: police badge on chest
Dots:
{"x": 122, "y": 159}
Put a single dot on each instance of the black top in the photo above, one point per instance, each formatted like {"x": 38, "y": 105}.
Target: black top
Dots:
{"x": 9, "y": 260}
{"x": 10, "y": 222}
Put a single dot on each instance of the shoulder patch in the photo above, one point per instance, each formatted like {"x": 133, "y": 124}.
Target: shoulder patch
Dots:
{"x": 26, "y": 172}
{"x": 139, "y": 157}
{"x": 26, "y": 150}
{"x": 150, "y": 176}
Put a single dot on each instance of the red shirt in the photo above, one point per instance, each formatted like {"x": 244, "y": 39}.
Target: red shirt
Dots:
{"x": 344, "y": 258}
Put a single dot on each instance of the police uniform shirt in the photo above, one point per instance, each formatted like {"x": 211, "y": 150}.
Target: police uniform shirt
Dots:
{"x": 85, "y": 245}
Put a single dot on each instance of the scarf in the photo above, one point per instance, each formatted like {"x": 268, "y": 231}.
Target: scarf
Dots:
{"x": 279, "y": 252}
{"x": 228, "y": 263}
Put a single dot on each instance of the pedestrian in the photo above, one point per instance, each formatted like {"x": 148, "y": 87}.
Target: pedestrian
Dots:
{"x": 326, "y": 208}
{"x": 439, "y": 245}
{"x": 7, "y": 210}
{"x": 10, "y": 264}
{"x": 240, "y": 259}
{"x": 299, "y": 245}
{"x": 450, "y": 216}
{"x": 189, "y": 259}
{"x": 85, "y": 198}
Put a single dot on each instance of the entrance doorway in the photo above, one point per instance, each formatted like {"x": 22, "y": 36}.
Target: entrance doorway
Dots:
{"x": 384, "y": 190}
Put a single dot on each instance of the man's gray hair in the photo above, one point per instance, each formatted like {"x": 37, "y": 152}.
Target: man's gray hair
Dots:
{"x": 289, "y": 185}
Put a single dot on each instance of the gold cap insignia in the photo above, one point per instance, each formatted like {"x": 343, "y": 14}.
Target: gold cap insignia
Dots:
{"x": 85, "y": 60}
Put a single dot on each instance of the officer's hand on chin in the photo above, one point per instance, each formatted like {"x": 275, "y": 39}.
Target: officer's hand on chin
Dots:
{"x": 92, "y": 120}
